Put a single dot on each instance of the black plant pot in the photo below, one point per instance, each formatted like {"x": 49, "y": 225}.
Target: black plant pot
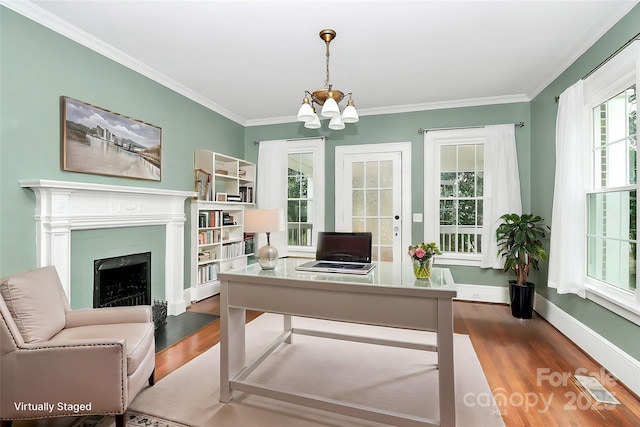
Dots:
{"x": 521, "y": 297}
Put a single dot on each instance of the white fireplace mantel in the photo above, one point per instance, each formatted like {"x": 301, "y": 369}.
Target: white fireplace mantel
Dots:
{"x": 63, "y": 206}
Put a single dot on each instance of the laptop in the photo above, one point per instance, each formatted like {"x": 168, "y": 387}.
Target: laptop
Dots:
{"x": 341, "y": 252}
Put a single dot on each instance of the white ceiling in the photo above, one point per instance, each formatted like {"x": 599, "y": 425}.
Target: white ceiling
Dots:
{"x": 252, "y": 60}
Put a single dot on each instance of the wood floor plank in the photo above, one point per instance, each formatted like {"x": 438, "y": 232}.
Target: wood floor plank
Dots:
{"x": 529, "y": 366}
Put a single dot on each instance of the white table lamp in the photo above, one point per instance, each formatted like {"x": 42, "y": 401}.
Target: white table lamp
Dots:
{"x": 267, "y": 221}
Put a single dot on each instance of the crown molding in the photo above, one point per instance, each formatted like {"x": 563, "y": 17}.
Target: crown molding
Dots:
{"x": 599, "y": 29}
{"x": 439, "y": 105}
{"x": 62, "y": 27}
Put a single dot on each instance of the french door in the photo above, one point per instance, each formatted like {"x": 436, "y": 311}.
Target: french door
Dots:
{"x": 369, "y": 195}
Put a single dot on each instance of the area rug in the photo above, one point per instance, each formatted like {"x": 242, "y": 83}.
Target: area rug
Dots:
{"x": 385, "y": 377}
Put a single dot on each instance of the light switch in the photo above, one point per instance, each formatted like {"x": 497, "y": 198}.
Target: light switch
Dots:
{"x": 417, "y": 217}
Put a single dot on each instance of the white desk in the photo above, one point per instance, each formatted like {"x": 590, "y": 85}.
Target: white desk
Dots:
{"x": 388, "y": 296}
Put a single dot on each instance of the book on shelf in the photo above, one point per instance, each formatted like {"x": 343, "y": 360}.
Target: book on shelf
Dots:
{"x": 207, "y": 273}
{"x": 246, "y": 194}
{"x": 234, "y": 198}
{"x": 208, "y": 219}
{"x": 228, "y": 219}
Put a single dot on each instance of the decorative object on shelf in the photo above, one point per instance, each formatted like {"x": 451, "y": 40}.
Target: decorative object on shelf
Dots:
{"x": 266, "y": 221}
{"x": 221, "y": 197}
{"x": 422, "y": 258}
{"x": 328, "y": 98}
{"x": 203, "y": 182}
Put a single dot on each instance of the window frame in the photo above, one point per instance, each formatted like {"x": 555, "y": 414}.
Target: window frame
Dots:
{"x": 615, "y": 76}
{"x": 434, "y": 140}
{"x": 315, "y": 147}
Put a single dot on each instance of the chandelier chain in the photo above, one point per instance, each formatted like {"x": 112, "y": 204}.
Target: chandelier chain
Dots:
{"x": 327, "y": 82}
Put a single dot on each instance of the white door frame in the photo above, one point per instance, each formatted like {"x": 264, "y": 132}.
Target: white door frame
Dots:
{"x": 404, "y": 148}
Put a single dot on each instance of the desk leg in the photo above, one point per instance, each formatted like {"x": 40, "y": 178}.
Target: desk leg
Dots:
{"x": 288, "y": 328}
{"x": 446, "y": 376}
{"x": 232, "y": 342}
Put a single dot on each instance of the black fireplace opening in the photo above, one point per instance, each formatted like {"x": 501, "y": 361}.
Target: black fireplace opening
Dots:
{"x": 122, "y": 281}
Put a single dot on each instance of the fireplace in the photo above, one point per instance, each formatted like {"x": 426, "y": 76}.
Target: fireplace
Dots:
{"x": 63, "y": 206}
{"x": 123, "y": 280}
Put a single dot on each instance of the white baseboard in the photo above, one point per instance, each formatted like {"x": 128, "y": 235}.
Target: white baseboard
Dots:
{"x": 483, "y": 293}
{"x": 200, "y": 292}
{"x": 620, "y": 364}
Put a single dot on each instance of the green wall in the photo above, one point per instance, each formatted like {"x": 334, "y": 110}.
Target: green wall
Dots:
{"x": 39, "y": 66}
{"x": 618, "y": 330}
{"x": 404, "y": 128}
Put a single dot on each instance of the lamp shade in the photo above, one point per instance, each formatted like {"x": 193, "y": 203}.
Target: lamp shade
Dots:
{"x": 330, "y": 108}
{"x": 313, "y": 124}
{"x": 336, "y": 123}
{"x": 305, "y": 113}
{"x": 350, "y": 115}
{"x": 263, "y": 220}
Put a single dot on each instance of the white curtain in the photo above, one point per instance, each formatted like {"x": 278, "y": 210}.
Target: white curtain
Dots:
{"x": 568, "y": 240}
{"x": 501, "y": 187}
{"x": 272, "y": 188}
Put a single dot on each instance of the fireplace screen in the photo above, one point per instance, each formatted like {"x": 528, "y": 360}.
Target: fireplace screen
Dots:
{"x": 122, "y": 281}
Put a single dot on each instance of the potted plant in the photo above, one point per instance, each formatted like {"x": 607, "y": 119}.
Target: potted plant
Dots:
{"x": 422, "y": 258}
{"x": 519, "y": 240}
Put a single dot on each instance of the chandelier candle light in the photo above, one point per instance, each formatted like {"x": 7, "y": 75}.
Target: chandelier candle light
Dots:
{"x": 266, "y": 221}
{"x": 328, "y": 98}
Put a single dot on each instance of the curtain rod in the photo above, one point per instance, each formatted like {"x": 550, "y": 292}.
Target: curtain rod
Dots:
{"x": 421, "y": 130}
{"x": 299, "y": 139}
{"x": 610, "y": 57}
{"x": 607, "y": 59}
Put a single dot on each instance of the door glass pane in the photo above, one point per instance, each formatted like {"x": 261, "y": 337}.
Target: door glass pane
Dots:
{"x": 386, "y": 231}
{"x": 386, "y": 202}
{"x": 357, "y": 203}
{"x": 372, "y": 202}
{"x": 357, "y": 225}
{"x": 372, "y": 174}
{"x": 357, "y": 180}
{"x": 386, "y": 174}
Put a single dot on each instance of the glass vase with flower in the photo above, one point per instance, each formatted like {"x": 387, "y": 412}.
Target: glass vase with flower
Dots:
{"x": 422, "y": 258}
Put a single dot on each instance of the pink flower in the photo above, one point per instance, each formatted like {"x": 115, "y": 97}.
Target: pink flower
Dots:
{"x": 412, "y": 253}
{"x": 420, "y": 252}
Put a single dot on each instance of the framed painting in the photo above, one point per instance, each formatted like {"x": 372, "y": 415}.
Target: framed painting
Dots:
{"x": 101, "y": 142}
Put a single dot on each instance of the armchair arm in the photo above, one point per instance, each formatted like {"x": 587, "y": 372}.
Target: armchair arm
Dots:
{"x": 103, "y": 316}
{"x": 93, "y": 372}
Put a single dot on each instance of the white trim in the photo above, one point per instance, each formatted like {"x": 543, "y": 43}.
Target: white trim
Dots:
{"x": 432, "y": 141}
{"x": 482, "y": 293}
{"x": 621, "y": 302}
{"x": 620, "y": 364}
{"x": 60, "y": 26}
{"x": 65, "y": 206}
{"x": 404, "y": 148}
{"x": 409, "y": 108}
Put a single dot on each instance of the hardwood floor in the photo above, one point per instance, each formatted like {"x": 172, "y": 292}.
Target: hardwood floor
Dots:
{"x": 529, "y": 366}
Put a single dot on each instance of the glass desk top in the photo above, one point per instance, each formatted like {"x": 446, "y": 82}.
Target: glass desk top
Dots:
{"x": 392, "y": 274}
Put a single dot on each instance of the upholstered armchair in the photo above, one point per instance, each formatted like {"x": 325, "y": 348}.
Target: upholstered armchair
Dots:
{"x": 57, "y": 362}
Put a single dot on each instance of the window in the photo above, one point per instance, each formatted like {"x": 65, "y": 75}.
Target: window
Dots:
{"x": 454, "y": 184}
{"x": 460, "y": 201}
{"x": 611, "y": 197}
{"x": 305, "y": 197}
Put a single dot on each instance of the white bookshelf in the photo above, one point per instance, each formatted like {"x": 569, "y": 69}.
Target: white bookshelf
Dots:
{"x": 218, "y": 240}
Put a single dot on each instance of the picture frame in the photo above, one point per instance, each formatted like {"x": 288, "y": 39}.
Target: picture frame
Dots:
{"x": 101, "y": 142}
{"x": 221, "y": 197}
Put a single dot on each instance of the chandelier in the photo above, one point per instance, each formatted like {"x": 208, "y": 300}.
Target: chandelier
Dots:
{"x": 328, "y": 98}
